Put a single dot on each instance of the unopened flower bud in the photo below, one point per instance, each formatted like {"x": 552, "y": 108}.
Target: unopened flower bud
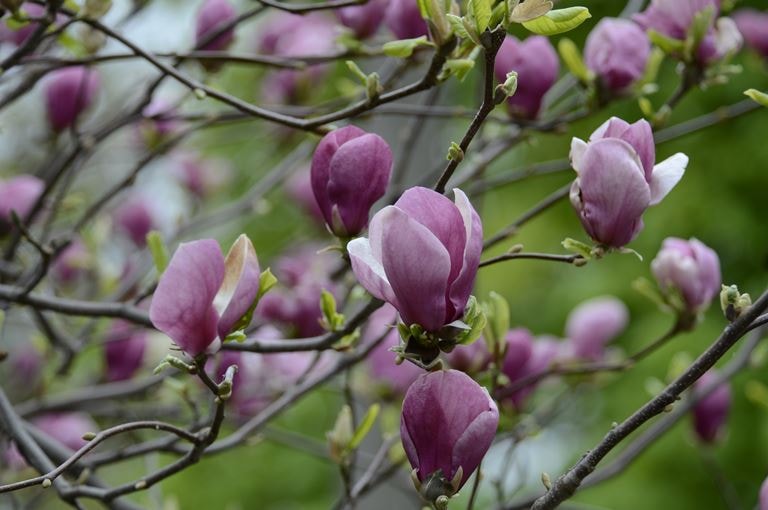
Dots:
{"x": 753, "y": 25}
{"x": 711, "y": 412}
{"x": 364, "y": 20}
{"x": 350, "y": 172}
{"x": 617, "y": 51}
{"x": 593, "y": 324}
{"x": 69, "y": 92}
{"x": 211, "y": 18}
{"x": 536, "y": 64}
{"x": 18, "y": 195}
{"x": 447, "y": 426}
{"x": 404, "y": 19}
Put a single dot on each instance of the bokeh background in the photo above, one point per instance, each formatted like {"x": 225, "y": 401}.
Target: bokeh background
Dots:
{"x": 721, "y": 201}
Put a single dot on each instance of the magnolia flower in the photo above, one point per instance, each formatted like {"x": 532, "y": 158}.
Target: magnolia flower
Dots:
{"x": 71, "y": 263}
{"x": 526, "y": 358}
{"x": 593, "y": 324}
{"x": 19, "y": 195}
{"x": 617, "y": 180}
{"x": 350, "y": 172}
{"x": 421, "y": 256}
{"x": 711, "y": 412}
{"x": 404, "y": 19}
{"x": 753, "y": 25}
{"x": 617, "y": 52}
{"x": 689, "y": 268}
{"x": 124, "y": 351}
{"x": 472, "y": 358}
{"x": 68, "y": 93}
{"x": 536, "y": 64}
{"x": 135, "y": 219}
{"x": 202, "y": 296}
{"x": 447, "y": 426}
{"x": 212, "y": 17}
{"x": 364, "y": 20}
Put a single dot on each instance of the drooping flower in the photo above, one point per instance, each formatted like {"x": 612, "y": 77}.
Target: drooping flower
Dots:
{"x": 593, "y": 324}
{"x": 350, "y": 172}
{"x": 202, "y": 297}
{"x": 447, "y": 426}
{"x": 711, "y": 412}
{"x": 689, "y": 268}
{"x": 617, "y": 52}
{"x": 421, "y": 256}
{"x": 617, "y": 180}
{"x": 536, "y": 64}
{"x": 68, "y": 93}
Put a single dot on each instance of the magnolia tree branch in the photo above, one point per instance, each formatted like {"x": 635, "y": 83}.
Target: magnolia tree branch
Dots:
{"x": 567, "y": 484}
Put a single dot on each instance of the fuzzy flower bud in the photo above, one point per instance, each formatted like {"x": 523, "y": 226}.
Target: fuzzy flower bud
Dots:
{"x": 421, "y": 256}
{"x": 447, "y": 426}
{"x": 212, "y": 17}
{"x": 617, "y": 180}
{"x": 350, "y": 172}
{"x": 617, "y": 52}
{"x": 202, "y": 295}
{"x": 593, "y": 324}
{"x": 689, "y": 268}
{"x": 69, "y": 92}
{"x": 404, "y": 19}
{"x": 18, "y": 195}
{"x": 537, "y": 66}
{"x": 711, "y": 412}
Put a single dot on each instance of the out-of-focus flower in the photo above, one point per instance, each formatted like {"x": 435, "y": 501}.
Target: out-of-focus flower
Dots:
{"x": 593, "y": 324}
{"x": 711, "y": 412}
{"x": 536, "y": 64}
{"x": 73, "y": 262}
{"x": 19, "y": 195}
{"x": 527, "y": 358}
{"x": 617, "y": 180}
{"x": 68, "y": 93}
{"x": 690, "y": 269}
{"x": 135, "y": 219}
{"x": 303, "y": 276}
{"x": 471, "y": 359}
{"x": 201, "y": 177}
{"x": 124, "y": 350}
{"x": 617, "y": 52}
{"x": 764, "y": 495}
{"x": 212, "y": 17}
{"x": 753, "y": 25}
{"x": 157, "y": 124}
{"x": 674, "y": 19}
{"x": 350, "y": 172}
{"x": 20, "y": 36}
{"x": 66, "y": 428}
{"x": 364, "y": 20}
{"x": 404, "y": 19}
{"x": 293, "y": 35}
{"x": 421, "y": 256}
{"x": 202, "y": 296}
{"x": 447, "y": 426}
{"x": 381, "y": 361}
{"x": 21, "y": 375}
{"x": 299, "y": 188}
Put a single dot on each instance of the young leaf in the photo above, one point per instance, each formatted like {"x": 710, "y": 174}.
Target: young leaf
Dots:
{"x": 528, "y": 10}
{"x": 158, "y": 251}
{"x": 558, "y": 21}
{"x": 357, "y": 71}
{"x": 404, "y": 48}
{"x": 571, "y": 55}
{"x": 460, "y": 67}
{"x": 365, "y": 426}
{"x": 760, "y": 98}
{"x": 481, "y": 11}
{"x": 668, "y": 45}
{"x": 266, "y": 281}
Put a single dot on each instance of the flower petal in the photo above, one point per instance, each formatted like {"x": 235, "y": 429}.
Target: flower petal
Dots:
{"x": 417, "y": 266}
{"x": 182, "y": 306}
{"x": 462, "y": 286}
{"x": 369, "y": 271}
{"x": 578, "y": 147}
{"x": 666, "y": 175}
{"x": 236, "y": 298}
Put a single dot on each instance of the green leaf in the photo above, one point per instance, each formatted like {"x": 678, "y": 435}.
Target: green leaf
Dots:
{"x": 702, "y": 21}
{"x": 574, "y": 246}
{"x": 497, "y": 325}
{"x": 558, "y": 21}
{"x": 266, "y": 281}
{"x": 571, "y": 55}
{"x": 528, "y": 10}
{"x": 157, "y": 249}
{"x": 760, "y": 98}
{"x": 365, "y": 426}
{"x": 332, "y": 320}
{"x": 460, "y": 67}
{"x": 357, "y": 71}
{"x": 668, "y": 45}
{"x": 475, "y": 319}
{"x": 481, "y": 12}
{"x": 404, "y": 48}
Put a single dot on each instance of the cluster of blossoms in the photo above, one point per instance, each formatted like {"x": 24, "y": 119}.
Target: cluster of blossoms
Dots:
{"x": 417, "y": 255}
